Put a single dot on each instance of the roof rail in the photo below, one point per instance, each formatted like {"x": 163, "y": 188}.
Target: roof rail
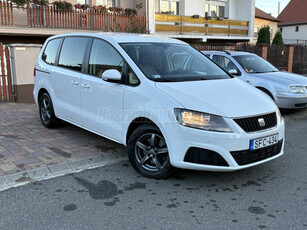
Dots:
{"x": 227, "y": 52}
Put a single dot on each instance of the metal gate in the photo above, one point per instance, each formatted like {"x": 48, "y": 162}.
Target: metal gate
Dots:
{"x": 5, "y": 75}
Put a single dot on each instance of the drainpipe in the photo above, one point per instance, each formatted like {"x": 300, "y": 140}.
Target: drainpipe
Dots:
{"x": 146, "y": 15}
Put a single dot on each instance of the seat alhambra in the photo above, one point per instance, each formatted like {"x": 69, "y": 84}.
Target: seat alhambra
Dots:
{"x": 167, "y": 102}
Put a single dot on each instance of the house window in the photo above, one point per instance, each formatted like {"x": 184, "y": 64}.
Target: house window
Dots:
{"x": 256, "y": 31}
{"x": 107, "y": 3}
{"x": 215, "y": 9}
{"x": 280, "y": 30}
{"x": 297, "y": 28}
{"x": 206, "y": 9}
{"x": 164, "y": 6}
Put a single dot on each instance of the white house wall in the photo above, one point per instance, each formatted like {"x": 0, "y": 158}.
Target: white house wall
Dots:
{"x": 292, "y": 37}
{"x": 235, "y": 9}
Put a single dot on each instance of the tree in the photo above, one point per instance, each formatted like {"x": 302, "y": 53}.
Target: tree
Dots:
{"x": 264, "y": 35}
{"x": 278, "y": 39}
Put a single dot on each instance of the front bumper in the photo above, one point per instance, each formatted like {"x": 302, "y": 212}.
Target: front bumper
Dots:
{"x": 291, "y": 101}
{"x": 179, "y": 139}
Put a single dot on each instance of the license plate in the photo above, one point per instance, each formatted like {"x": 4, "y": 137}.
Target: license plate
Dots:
{"x": 263, "y": 142}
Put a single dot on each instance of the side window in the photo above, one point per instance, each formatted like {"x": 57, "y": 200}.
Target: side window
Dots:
{"x": 132, "y": 78}
{"x": 225, "y": 63}
{"x": 72, "y": 53}
{"x": 103, "y": 57}
{"x": 50, "y": 51}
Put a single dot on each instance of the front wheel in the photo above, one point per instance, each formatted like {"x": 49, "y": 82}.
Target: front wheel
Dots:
{"x": 46, "y": 112}
{"x": 148, "y": 152}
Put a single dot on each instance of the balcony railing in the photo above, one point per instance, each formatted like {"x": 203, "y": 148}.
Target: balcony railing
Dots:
{"x": 51, "y": 17}
{"x": 188, "y": 25}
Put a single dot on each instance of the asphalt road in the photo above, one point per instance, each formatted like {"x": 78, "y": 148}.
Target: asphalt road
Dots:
{"x": 270, "y": 196}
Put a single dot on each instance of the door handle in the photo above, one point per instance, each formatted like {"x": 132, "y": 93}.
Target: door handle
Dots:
{"x": 75, "y": 83}
{"x": 86, "y": 86}
{"x": 248, "y": 82}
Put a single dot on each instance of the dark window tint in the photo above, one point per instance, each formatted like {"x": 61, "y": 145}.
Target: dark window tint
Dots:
{"x": 72, "y": 53}
{"x": 51, "y": 50}
{"x": 103, "y": 57}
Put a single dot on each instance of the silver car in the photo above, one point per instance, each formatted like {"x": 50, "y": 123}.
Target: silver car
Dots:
{"x": 288, "y": 90}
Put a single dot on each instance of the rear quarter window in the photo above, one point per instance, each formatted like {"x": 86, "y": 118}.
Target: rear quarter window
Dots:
{"x": 50, "y": 52}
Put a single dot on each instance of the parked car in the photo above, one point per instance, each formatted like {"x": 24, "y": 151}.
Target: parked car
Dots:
{"x": 136, "y": 90}
{"x": 288, "y": 90}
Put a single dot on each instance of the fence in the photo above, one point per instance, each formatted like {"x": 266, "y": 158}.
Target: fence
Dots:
{"x": 5, "y": 75}
{"x": 53, "y": 17}
{"x": 6, "y": 13}
{"x": 300, "y": 59}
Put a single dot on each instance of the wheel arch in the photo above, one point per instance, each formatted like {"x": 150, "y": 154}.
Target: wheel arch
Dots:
{"x": 265, "y": 90}
{"x": 136, "y": 123}
{"x": 41, "y": 92}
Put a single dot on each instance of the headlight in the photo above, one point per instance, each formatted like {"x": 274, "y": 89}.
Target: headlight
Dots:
{"x": 200, "y": 120}
{"x": 296, "y": 89}
{"x": 279, "y": 117}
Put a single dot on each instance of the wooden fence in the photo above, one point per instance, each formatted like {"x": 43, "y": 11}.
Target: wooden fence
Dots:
{"x": 5, "y": 75}
{"x": 300, "y": 59}
{"x": 51, "y": 17}
{"x": 6, "y": 13}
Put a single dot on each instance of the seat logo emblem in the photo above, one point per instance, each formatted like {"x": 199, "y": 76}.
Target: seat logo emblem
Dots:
{"x": 261, "y": 122}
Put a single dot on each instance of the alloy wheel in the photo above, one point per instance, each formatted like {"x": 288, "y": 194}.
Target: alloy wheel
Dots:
{"x": 151, "y": 152}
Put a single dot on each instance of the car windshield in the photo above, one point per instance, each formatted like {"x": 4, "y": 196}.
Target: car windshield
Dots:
{"x": 254, "y": 64}
{"x": 166, "y": 62}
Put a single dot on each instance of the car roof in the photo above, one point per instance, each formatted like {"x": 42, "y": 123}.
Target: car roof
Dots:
{"x": 124, "y": 37}
{"x": 228, "y": 52}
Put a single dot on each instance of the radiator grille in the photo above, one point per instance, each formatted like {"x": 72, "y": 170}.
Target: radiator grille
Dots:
{"x": 251, "y": 124}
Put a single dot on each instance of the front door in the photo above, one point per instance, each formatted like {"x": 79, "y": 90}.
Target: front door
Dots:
{"x": 102, "y": 101}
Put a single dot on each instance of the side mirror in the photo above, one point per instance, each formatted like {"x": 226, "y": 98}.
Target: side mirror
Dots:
{"x": 233, "y": 72}
{"x": 111, "y": 74}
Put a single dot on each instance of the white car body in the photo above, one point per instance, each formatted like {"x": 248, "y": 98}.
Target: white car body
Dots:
{"x": 77, "y": 99}
{"x": 276, "y": 84}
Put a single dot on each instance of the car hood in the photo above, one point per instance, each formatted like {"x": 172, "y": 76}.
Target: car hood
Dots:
{"x": 284, "y": 78}
{"x": 228, "y": 98}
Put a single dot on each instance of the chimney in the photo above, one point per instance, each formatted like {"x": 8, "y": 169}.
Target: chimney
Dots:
{"x": 278, "y": 9}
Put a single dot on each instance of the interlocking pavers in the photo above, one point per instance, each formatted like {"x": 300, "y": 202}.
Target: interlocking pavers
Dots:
{"x": 27, "y": 146}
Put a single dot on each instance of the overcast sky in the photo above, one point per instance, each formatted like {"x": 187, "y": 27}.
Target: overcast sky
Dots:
{"x": 271, "y": 6}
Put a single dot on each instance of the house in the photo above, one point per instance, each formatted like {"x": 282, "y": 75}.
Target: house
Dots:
{"x": 264, "y": 19}
{"x": 189, "y": 20}
{"x": 204, "y": 20}
{"x": 293, "y": 23}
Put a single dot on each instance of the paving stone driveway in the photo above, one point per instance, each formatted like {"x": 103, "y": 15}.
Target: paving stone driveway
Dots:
{"x": 26, "y": 144}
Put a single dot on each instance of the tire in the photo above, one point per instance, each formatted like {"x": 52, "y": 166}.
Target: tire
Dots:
{"x": 46, "y": 112}
{"x": 148, "y": 154}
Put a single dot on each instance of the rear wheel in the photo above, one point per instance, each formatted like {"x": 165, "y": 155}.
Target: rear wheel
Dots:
{"x": 46, "y": 112}
{"x": 148, "y": 152}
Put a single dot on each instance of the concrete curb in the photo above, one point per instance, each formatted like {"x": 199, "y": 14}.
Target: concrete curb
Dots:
{"x": 61, "y": 169}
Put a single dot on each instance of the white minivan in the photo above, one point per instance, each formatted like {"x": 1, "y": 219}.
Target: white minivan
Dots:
{"x": 167, "y": 102}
